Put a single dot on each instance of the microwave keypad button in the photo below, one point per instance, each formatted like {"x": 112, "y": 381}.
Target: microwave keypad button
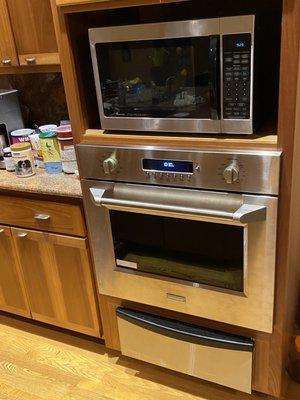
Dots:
{"x": 228, "y": 59}
{"x": 237, "y": 61}
{"x": 247, "y": 55}
{"x": 245, "y": 61}
{"x": 236, "y": 56}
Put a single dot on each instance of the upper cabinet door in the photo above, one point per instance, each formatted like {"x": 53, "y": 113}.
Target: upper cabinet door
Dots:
{"x": 8, "y": 54}
{"x": 33, "y": 28}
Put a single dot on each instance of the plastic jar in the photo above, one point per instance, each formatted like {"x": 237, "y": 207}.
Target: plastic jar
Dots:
{"x": 23, "y": 159}
{"x": 37, "y": 150}
{"x": 8, "y": 160}
{"x": 21, "y": 135}
{"x": 50, "y": 152}
{"x": 67, "y": 149}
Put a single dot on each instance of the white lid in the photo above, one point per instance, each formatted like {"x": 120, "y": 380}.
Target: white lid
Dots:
{"x": 6, "y": 150}
{"x": 22, "y": 132}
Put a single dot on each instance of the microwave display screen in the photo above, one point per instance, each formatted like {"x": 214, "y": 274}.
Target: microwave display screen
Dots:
{"x": 167, "y": 165}
{"x": 163, "y": 78}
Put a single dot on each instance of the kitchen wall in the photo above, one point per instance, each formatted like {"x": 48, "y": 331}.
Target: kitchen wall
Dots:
{"x": 42, "y": 97}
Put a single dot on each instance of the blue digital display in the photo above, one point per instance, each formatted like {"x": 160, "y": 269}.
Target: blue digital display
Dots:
{"x": 240, "y": 45}
{"x": 151, "y": 164}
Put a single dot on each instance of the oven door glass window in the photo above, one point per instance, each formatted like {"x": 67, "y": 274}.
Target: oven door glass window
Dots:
{"x": 194, "y": 251}
{"x": 169, "y": 78}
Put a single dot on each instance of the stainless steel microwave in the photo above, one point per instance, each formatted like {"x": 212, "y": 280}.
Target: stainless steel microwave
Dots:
{"x": 186, "y": 76}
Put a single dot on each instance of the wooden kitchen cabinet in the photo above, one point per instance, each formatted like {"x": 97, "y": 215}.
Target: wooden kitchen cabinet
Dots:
{"x": 33, "y": 29}
{"x": 8, "y": 53}
{"x": 58, "y": 278}
{"x": 12, "y": 289}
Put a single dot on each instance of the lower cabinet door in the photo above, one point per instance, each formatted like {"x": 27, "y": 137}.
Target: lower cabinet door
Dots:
{"x": 12, "y": 289}
{"x": 59, "y": 282}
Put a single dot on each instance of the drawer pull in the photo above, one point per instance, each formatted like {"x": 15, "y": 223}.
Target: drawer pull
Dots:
{"x": 42, "y": 217}
{"x": 30, "y": 60}
{"x": 21, "y": 234}
{"x": 1, "y": 230}
{"x": 6, "y": 61}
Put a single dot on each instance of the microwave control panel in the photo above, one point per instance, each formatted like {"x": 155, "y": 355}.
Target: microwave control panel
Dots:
{"x": 237, "y": 76}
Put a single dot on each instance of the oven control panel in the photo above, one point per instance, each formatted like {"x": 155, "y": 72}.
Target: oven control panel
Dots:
{"x": 235, "y": 171}
{"x": 237, "y": 76}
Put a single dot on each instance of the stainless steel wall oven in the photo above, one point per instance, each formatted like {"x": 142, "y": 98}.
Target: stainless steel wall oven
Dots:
{"x": 186, "y": 76}
{"x": 186, "y": 230}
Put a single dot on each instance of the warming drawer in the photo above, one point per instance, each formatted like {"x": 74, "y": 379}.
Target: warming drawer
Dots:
{"x": 207, "y": 354}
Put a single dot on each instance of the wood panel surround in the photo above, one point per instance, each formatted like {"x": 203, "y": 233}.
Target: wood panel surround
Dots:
{"x": 271, "y": 350}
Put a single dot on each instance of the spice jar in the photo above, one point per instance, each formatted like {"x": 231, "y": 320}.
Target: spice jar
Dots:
{"x": 67, "y": 149}
{"x": 50, "y": 152}
{"x": 23, "y": 159}
{"x": 294, "y": 364}
{"x": 8, "y": 160}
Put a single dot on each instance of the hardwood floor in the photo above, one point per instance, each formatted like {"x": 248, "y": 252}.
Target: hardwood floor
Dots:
{"x": 38, "y": 363}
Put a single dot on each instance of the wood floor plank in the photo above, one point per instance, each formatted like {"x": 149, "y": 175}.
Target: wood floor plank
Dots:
{"x": 39, "y": 363}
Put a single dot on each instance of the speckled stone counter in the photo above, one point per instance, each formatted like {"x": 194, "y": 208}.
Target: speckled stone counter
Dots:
{"x": 42, "y": 183}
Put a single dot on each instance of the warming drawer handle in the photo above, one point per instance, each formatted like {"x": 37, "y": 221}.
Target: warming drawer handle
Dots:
{"x": 245, "y": 214}
{"x": 183, "y": 331}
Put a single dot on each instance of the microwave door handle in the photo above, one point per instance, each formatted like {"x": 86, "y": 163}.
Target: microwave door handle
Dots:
{"x": 214, "y": 71}
{"x": 246, "y": 213}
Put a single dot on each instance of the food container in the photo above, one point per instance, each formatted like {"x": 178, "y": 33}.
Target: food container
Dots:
{"x": 37, "y": 150}
{"x": 67, "y": 149}
{"x": 50, "y": 152}
{"x": 21, "y": 135}
{"x": 8, "y": 160}
{"x": 23, "y": 159}
{"x": 48, "y": 128}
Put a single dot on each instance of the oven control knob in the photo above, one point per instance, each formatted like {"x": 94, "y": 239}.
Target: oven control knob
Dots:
{"x": 231, "y": 173}
{"x": 110, "y": 164}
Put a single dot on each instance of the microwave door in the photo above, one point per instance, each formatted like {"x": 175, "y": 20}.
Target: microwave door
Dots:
{"x": 163, "y": 78}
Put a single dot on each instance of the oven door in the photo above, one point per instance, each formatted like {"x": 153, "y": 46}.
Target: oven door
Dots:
{"x": 209, "y": 254}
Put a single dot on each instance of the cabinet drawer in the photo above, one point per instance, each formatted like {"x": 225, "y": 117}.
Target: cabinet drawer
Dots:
{"x": 42, "y": 215}
{"x": 211, "y": 355}
{"x": 39, "y": 59}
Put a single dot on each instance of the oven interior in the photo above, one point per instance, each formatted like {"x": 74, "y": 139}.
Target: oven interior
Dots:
{"x": 192, "y": 251}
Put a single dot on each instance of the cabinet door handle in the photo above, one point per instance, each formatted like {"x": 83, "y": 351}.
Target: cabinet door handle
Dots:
{"x": 6, "y": 61}
{"x": 1, "y": 230}
{"x": 30, "y": 60}
{"x": 42, "y": 217}
{"x": 22, "y": 234}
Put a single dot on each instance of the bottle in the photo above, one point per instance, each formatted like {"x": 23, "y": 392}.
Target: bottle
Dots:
{"x": 23, "y": 159}
{"x": 8, "y": 160}
{"x": 67, "y": 149}
{"x": 50, "y": 152}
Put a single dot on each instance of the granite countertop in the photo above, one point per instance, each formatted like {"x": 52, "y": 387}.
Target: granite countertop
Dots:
{"x": 42, "y": 183}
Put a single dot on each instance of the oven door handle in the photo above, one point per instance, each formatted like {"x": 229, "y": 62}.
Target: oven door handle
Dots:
{"x": 244, "y": 214}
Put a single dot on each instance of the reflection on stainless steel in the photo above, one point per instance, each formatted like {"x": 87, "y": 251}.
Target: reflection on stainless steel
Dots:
{"x": 201, "y": 203}
{"x": 172, "y": 30}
